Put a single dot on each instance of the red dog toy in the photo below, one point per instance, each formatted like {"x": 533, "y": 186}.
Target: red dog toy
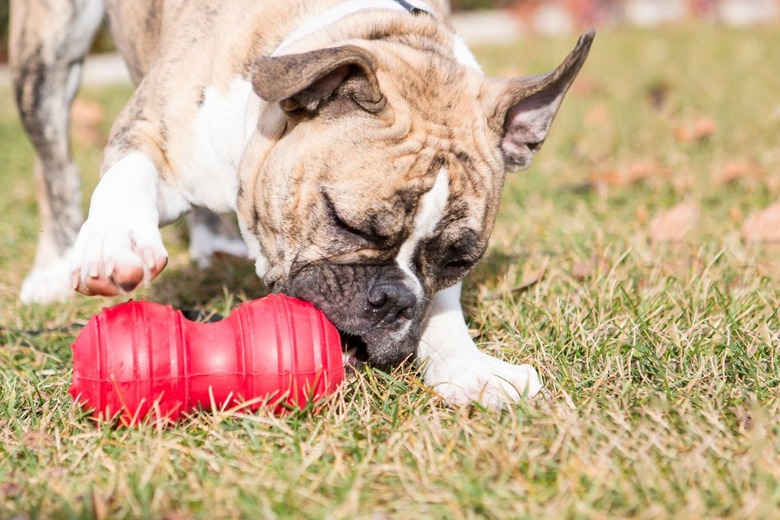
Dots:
{"x": 141, "y": 359}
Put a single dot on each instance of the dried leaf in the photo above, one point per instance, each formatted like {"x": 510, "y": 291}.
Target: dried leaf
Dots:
{"x": 698, "y": 130}
{"x": 10, "y": 490}
{"x": 645, "y": 169}
{"x": 641, "y": 214}
{"x": 581, "y": 270}
{"x": 763, "y": 226}
{"x": 635, "y": 172}
{"x": 735, "y": 215}
{"x": 737, "y": 170}
{"x": 607, "y": 178}
{"x": 674, "y": 224}
{"x": 586, "y": 268}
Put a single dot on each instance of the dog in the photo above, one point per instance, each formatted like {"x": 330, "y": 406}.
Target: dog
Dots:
{"x": 358, "y": 143}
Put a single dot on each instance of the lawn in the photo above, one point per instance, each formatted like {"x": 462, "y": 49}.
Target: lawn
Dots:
{"x": 617, "y": 267}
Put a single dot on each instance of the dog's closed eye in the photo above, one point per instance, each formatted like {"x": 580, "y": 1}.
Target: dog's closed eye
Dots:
{"x": 369, "y": 236}
{"x": 459, "y": 263}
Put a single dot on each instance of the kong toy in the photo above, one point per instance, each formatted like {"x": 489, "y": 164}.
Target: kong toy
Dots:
{"x": 141, "y": 360}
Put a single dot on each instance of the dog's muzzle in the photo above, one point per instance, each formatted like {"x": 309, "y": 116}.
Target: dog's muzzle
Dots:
{"x": 376, "y": 304}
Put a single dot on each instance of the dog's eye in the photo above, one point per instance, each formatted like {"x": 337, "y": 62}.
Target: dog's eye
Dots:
{"x": 459, "y": 264}
{"x": 454, "y": 270}
{"x": 368, "y": 236}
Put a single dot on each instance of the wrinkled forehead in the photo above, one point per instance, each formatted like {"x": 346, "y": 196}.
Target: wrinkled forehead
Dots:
{"x": 462, "y": 185}
{"x": 448, "y": 97}
{"x": 429, "y": 72}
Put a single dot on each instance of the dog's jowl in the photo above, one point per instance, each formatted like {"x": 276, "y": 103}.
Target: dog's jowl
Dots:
{"x": 359, "y": 144}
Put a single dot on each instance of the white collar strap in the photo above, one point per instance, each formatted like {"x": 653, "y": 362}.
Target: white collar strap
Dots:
{"x": 347, "y": 8}
{"x": 412, "y": 8}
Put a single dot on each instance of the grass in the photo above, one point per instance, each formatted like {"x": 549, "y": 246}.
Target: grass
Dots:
{"x": 660, "y": 359}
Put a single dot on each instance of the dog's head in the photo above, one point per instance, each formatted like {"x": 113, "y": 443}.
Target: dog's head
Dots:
{"x": 383, "y": 179}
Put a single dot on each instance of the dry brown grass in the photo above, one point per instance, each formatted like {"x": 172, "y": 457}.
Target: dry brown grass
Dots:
{"x": 660, "y": 359}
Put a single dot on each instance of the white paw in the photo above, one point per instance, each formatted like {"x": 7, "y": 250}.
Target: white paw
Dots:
{"x": 47, "y": 284}
{"x": 476, "y": 377}
{"x": 115, "y": 253}
{"x": 120, "y": 246}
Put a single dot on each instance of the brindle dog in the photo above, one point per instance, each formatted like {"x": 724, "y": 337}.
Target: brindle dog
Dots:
{"x": 358, "y": 142}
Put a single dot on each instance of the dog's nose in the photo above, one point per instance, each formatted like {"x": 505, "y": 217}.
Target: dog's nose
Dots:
{"x": 391, "y": 302}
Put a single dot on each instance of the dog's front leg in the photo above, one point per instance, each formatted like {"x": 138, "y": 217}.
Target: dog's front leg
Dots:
{"x": 457, "y": 370}
{"x": 120, "y": 246}
{"x": 47, "y": 44}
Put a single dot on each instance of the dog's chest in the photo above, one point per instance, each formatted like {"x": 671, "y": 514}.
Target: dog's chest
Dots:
{"x": 221, "y": 128}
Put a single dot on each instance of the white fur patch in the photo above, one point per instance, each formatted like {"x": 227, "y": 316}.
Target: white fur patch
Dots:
{"x": 338, "y": 12}
{"x": 125, "y": 213}
{"x": 457, "y": 370}
{"x": 429, "y": 213}
{"x": 134, "y": 184}
{"x": 223, "y": 125}
{"x": 463, "y": 54}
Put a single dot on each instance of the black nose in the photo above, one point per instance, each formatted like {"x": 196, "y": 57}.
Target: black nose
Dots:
{"x": 391, "y": 303}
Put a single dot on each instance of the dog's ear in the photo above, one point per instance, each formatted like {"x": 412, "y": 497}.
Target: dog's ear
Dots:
{"x": 340, "y": 76}
{"x": 521, "y": 110}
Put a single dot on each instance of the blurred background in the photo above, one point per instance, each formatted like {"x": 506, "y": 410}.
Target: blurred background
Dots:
{"x": 561, "y": 16}
{"x": 554, "y": 17}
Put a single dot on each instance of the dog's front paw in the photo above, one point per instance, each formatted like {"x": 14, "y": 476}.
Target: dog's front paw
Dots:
{"x": 112, "y": 256}
{"x": 477, "y": 377}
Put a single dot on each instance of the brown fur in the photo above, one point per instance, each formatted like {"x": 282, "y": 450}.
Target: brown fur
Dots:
{"x": 356, "y": 121}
